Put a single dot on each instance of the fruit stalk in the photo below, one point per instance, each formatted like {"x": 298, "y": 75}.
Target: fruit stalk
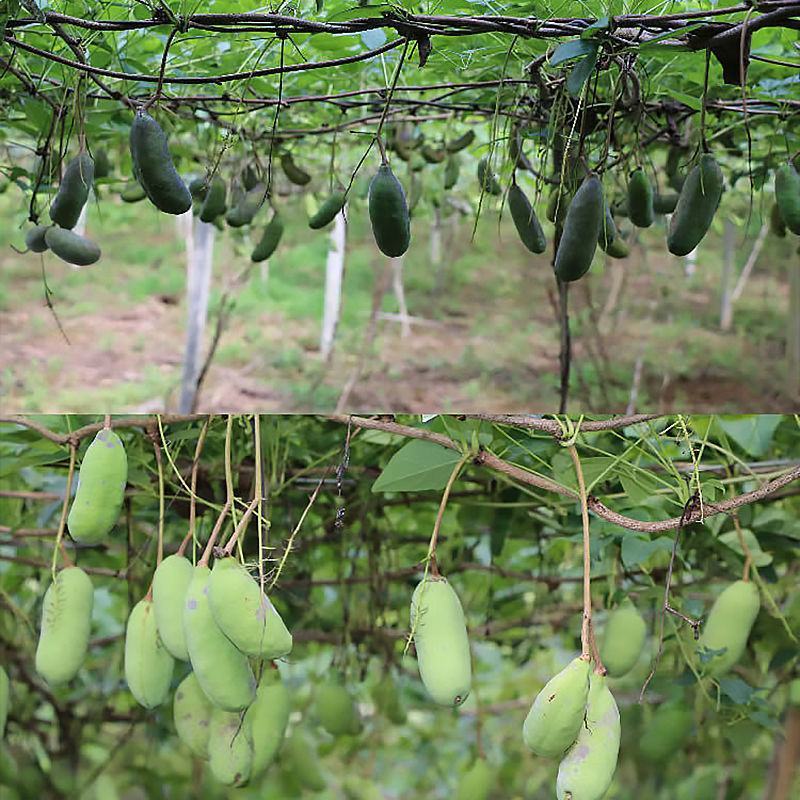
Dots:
{"x": 434, "y": 567}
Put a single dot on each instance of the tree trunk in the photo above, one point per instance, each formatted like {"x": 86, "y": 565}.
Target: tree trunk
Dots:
{"x": 199, "y": 238}
{"x": 728, "y": 258}
{"x": 400, "y": 294}
{"x": 793, "y": 335}
{"x": 334, "y": 275}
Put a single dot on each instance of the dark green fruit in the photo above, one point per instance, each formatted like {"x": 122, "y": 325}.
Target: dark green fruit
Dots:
{"x": 70, "y": 247}
{"x": 214, "y": 204}
{"x": 618, "y": 248}
{"x": 433, "y": 155}
{"x": 665, "y": 203}
{"x": 487, "y": 179}
{"x": 640, "y": 199}
{"x": 557, "y": 205}
{"x": 269, "y": 239}
{"x": 525, "y": 221}
{"x": 132, "y": 193}
{"x": 675, "y": 157}
{"x": 73, "y": 191}
{"x": 34, "y": 239}
{"x": 4, "y": 700}
{"x": 451, "y": 171}
{"x": 102, "y": 165}
{"x": 776, "y": 223}
{"x": 581, "y": 230}
{"x": 608, "y": 230}
{"x": 198, "y": 188}
{"x": 328, "y": 210}
{"x": 249, "y": 178}
{"x": 246, "y": 209}
{"x": 787, "y": 196}
{"x": 465, "y": 140}
{"x": 294, "y": 173}
{"x": 153, "y": 167}
{"x": 696, "y": 207}
{"x": 388, "y": 213}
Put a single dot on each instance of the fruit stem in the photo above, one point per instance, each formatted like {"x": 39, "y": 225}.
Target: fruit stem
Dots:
{"x": 159, "y": 464}
{"x": 586, "y": 626}
{"x": 748, "y": 559}
{"x": 59, "y": 545}
{"x": 431, "y": 558}
{"x": 203, "y": 562}
{"x": 193, "y": 486}
{"x": 240, "y": 527}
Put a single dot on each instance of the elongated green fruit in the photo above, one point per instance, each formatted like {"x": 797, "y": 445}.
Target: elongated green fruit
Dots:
{"x": 557, "y": 712}
{"x": 132, "y": 193}
{"x": 558, "y": 204}
{"x": 170, "y": 585}
{"x": 214, "y": 203}
{"x": 102, "y": 164}
{"x": 73, "y": 191}
{"x": 451, "y": 171}
{"x": 665, "y": 203}
{"x": 336, "y": 710}
{"x": 244, "y": 613}
{"x": 387, "y": 699}
{"x": 623, "y": 640}
{"x": 527, "y": 225}
{"x": 487, "y": 179}
{"x": 667, "y": 731}
{"x": 101, "y": 489}
{"x": 640, "y": 199}
{"x": 34, "y": 239}
{"x": 787, "y": 196}
{"x": 303, "y": 762}
{"x": 294, "y": 173}
{"x": 268, "y": 716}
{"x": 433, "y": 155}
{"x": 249, "y": 178}
{"x": 148, "y": 664}
{"x": 776, "y": 223}
{"x": 476, "y": 783}
{"x": 440, "y": 637}
{"x": 270, "y": 239}
{"x": 328, "y": 210}
{"x": 608, "y": 230}
{"x": 618, "y": 248}
{"x": 153, "y": 167}
{"x": 586, "y": 771}
{"x": 246, "y": 209}
{"x": 696, "y": 207}
{"x": 191, "y": 711}
{"x": 463, "y": 141}
{"x": 728, "y": 626}
{"x": 230, "y": 747}
{"x": 66, "y": 621}
{"x": 5, "y": 699}
{"x": 70, "y": 247}
{"x": 388, "y": 213}
{"x": 223, "y": 672}
{"x": 581, "y": 230}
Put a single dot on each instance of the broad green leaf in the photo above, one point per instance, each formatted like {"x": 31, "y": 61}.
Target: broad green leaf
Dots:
{"x": 753, "y": 433}
{"x": 575, "y": 48}
{"x": 636, "y": 549}
{"x": 417, "y": 466}
{"x": 731, "y": 539}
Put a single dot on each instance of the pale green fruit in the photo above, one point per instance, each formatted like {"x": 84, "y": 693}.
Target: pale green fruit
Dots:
{"x": 66, "y": 622}
{"x": 268, "y": 717}
{"x": 223, "y": 671}
{"x": 191, "y": 711}
{"x": 440, "y": 637}
{"x": 245, "y": 614}
{"x": 794, "y": 694}
{"x": 623, "y": 640}
{"x": 303, "y": 762}
{"x": 230, "y": 747}
{"x": 586, "y": 771}
{"x": 336, "y": 710}
{"x": 101, "y": 489}
{"x": 668, "y": 730}
{"x": 170, "y": 584}
{"x": 728, "y": 626}
{"x": 387, "y": 699}
{"x": 148, "y": 665}
{"x": 557, "y": 712}
{"x": 476, "y": 783}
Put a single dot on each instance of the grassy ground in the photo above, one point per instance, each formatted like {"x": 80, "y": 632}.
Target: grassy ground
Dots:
{"x": 493, "y": 344}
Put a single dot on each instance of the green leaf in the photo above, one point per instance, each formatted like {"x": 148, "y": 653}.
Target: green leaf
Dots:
{"x": 580, "y": 73}
{"x": 636, "y": 550}
{"x": 753, "y": 432}
{"x": 731, "y": 539}
{"x": 737, "y": 690}
{"x": 417, "y": 466}
{"x": 575, "y": 48}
